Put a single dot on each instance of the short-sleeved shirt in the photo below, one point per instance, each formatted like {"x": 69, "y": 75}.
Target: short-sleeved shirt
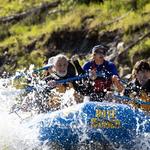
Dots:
{"x": 103, "y": 81}
{"x": 108, "y": 67}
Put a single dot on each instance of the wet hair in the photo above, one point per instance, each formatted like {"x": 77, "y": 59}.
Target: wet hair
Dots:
{"x": 100, "y": 49}
{"x": 141, "y": 65}
{"x": 58, "y": 57}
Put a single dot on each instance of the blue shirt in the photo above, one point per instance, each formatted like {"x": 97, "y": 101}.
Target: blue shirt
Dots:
{"x": 107, "y": 67}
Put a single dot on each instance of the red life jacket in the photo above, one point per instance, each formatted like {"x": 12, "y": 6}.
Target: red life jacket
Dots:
{"x": 101, "y": 84}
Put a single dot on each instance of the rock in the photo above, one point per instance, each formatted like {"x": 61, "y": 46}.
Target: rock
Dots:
{"x": 124, "y": 70}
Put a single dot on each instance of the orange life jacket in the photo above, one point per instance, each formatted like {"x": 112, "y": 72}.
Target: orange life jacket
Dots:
{"x": 144, "y": 96}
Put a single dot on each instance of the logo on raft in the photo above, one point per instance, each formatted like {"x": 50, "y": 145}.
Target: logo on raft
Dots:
{"x": 105, "y": 119}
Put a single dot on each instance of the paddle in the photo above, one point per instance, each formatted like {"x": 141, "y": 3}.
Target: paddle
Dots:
{"x": 64, "y": 81}
{"x": 76, "y": 78}
{"x": 19, "y": 75}
{"x": 23, "y": 74}
{"x": 43, "y": 68}
{"x": 126, "y": 98}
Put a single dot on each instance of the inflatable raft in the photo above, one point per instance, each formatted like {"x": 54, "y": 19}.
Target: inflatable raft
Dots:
{"x": 116, "y": 125}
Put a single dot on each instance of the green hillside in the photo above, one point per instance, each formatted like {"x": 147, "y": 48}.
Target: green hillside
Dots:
{"x": 33, "y": 30}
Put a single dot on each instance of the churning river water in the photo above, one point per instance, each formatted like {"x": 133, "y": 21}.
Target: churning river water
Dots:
{"x": 15, "y": 133}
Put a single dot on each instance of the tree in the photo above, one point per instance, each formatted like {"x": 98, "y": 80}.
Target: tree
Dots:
{"x": 134, "y": 4}
{"x": 89, "y": 1}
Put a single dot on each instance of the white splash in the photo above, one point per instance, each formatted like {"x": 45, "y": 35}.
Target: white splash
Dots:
{"x": 15, "y": 134}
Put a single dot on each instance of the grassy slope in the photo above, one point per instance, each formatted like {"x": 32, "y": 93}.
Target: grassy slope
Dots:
{"x": 26, "y": 31}
{"x": 9, "y": 7}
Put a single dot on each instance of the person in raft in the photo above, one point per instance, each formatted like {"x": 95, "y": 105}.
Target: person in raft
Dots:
{"x": 102, "y": 75}
{"x": 139, "y": 87}
{"x": 60, "y": 68}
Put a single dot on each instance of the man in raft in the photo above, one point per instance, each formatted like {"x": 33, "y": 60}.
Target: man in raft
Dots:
{"x": 139, "y": 87}
{"x": 60, "y": 68}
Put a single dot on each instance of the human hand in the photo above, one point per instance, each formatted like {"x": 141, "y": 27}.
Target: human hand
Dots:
{"x": 117, "y": 83}
{"x": 74, "y": 58}
{"x": 92, "y": 74}
{"x": 52, "y": 83}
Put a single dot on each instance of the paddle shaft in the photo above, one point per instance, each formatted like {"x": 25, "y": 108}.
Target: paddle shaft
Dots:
{"x": 126, "y": 98}
{"x": 43, "y": 68}
{"x": 76, "y": 78}
{"x": 22, "y": 74}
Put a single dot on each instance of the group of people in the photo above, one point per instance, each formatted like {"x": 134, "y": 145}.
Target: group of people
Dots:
{"x": 98, "y": 76}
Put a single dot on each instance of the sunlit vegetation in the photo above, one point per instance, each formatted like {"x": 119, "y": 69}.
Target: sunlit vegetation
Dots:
{"x": 142, "y": 49}
{"x": 72, "y": 15}
{"x": 9, "y": 7}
